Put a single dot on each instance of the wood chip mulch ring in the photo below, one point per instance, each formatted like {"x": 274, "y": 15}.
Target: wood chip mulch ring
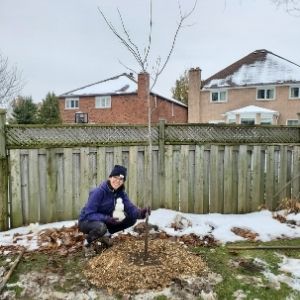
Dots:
{"x": 123, "y": 269}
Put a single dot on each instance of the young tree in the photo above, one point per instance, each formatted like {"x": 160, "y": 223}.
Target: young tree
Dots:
{"x": 10, "y": 82}
{"x": 180, "y": 91}
{"x": 49, "y": 110}
{"x": 24, "y": 111}
{"x": 143, "y": 61}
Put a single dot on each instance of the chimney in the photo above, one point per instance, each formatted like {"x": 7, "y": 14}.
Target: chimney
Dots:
{"x": 143, "y": 85}
{"x": 194, "y": 95}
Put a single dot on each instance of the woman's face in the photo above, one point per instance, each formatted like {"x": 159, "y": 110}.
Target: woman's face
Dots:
{"x": 116, "y": 181}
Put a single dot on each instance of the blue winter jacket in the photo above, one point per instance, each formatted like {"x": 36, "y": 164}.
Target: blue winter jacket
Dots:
{"x": 101, "y": 204}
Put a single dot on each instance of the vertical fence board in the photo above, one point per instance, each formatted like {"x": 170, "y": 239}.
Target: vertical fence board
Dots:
{"x": 33, "y": 176}
{"x": 43, "y": 185}
{"x": 216, "y": 180}
{"x": 68, "y": 183}
{"x": 228, "y": 180}
{"x": 117, "y": 155}
{"x": 59, "y": 201}
{"x": 148, "y": 187}
{"x": 288, "y": 185}
{"x": 24, "y": 186}
{"x": 183, "y": 183}
{"x": 199, "y": 180}
{"x": 282, "y": 178}
{"x": 206, "y": 194}
{"x": 84, "y": 175}
{"x": 132, "y": 179}
{"x": 49, "y": 208}
{"x": 191, "y": 180}
{"x": 168, "y": 177}
{"x": 175, "y": 178}
{"x": 295, "y": 180}
{"x": 257, "y": 188}
{"x": 243, "y": 177}
{"x": 155, "y": 180}
{"x": 93, "y": 168}
{"x": 141, "y": 199}
{"x": 270, "y": 176}
{"x": 15, "y": 189}
{"x": 4, "y": 171}
{"x": 101, "y": 167}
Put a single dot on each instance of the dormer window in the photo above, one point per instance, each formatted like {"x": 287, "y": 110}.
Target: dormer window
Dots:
{"x": 218, "y": 96}
{"x": 294, "y": 92}
{"x": 103, "y": 102}
{"x": 265, "y": 94}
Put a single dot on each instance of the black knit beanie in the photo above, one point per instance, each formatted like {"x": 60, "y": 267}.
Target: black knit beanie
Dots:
{"x": 119, "y": 171}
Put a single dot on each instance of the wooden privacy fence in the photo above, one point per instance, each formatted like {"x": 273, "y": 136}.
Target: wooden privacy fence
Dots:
{"x": 196, "y": 168}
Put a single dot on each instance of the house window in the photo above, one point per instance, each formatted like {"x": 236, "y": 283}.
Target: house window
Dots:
{"x": 247, "y": 121}
{"x": 265, "y": 94}
{"x": 81, "y": 117}
{"x": 266, "y": 121}
{"x": 294, "y": 92}
{"x": 72, "y": 103}
{"x": 218, "y": 96}
{"x": 292, "y": 122}
{"x": 103, "y": 102}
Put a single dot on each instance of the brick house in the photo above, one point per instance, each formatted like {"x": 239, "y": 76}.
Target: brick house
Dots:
{"x": 260, "y": 88}
{"x": 119, "y": 100}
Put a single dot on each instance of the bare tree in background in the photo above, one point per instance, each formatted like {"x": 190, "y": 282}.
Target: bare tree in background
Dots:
{"x": 142, "y": 59}
{"x": 10, "y": 82}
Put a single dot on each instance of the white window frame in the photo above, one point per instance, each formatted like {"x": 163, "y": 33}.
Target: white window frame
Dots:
{"x": 69, "y": 101}
{"x": 103, "y": 102}
{"x": 218, "y": 92}
{"x": 287, "y": 122}
{"x": 265, "y": 89}
{"x": 290, "y": 92}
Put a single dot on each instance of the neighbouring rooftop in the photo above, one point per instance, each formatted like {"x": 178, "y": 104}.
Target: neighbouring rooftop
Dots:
{"x": 260, "y": 67}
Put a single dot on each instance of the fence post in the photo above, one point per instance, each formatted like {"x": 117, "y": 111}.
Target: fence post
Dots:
{"x": 161, "y": 153}
{"x": 3, "y": 175}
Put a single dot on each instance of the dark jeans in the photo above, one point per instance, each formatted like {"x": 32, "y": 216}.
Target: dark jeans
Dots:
{"x": 96, "y": 229}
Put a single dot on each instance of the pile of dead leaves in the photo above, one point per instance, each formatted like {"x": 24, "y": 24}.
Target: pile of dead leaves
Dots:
{"x": 291, "y": 205}
{"x": 245, "y": 233}
{"x": 63, "y": 240}
{"x": 125, "y": 269}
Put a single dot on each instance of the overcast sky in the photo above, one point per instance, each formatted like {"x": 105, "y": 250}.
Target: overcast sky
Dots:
{"x": 60, "y": 45}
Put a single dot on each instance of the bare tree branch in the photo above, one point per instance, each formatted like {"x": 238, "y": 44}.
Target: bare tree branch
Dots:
{"x": 129, "y": 38}
{"x": 10, "y": 82}
{"x": 149, "y": 35}
{"x": 123, "y": 41}
{"x": 292, "y": 7}
{"x": 180, "y": 24}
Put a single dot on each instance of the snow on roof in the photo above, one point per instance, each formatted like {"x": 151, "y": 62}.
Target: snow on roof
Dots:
{"x": 123, "y": 83}
{"x": 252, "y": 109}
{"x": 260, "y": 67}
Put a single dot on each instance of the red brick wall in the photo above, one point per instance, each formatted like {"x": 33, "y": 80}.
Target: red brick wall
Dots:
{"x": 126, "y": 109}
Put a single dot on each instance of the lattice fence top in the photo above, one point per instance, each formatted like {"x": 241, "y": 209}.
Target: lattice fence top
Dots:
{"x": 70, "y": 136}
{"x": 91, "y": 135}
{"x": 236, "y": 134}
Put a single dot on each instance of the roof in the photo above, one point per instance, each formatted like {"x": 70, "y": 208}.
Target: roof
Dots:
{"x": 260, "y": 67}
{"x": 117, "y": 85}
{"x": 252, "y": 109}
